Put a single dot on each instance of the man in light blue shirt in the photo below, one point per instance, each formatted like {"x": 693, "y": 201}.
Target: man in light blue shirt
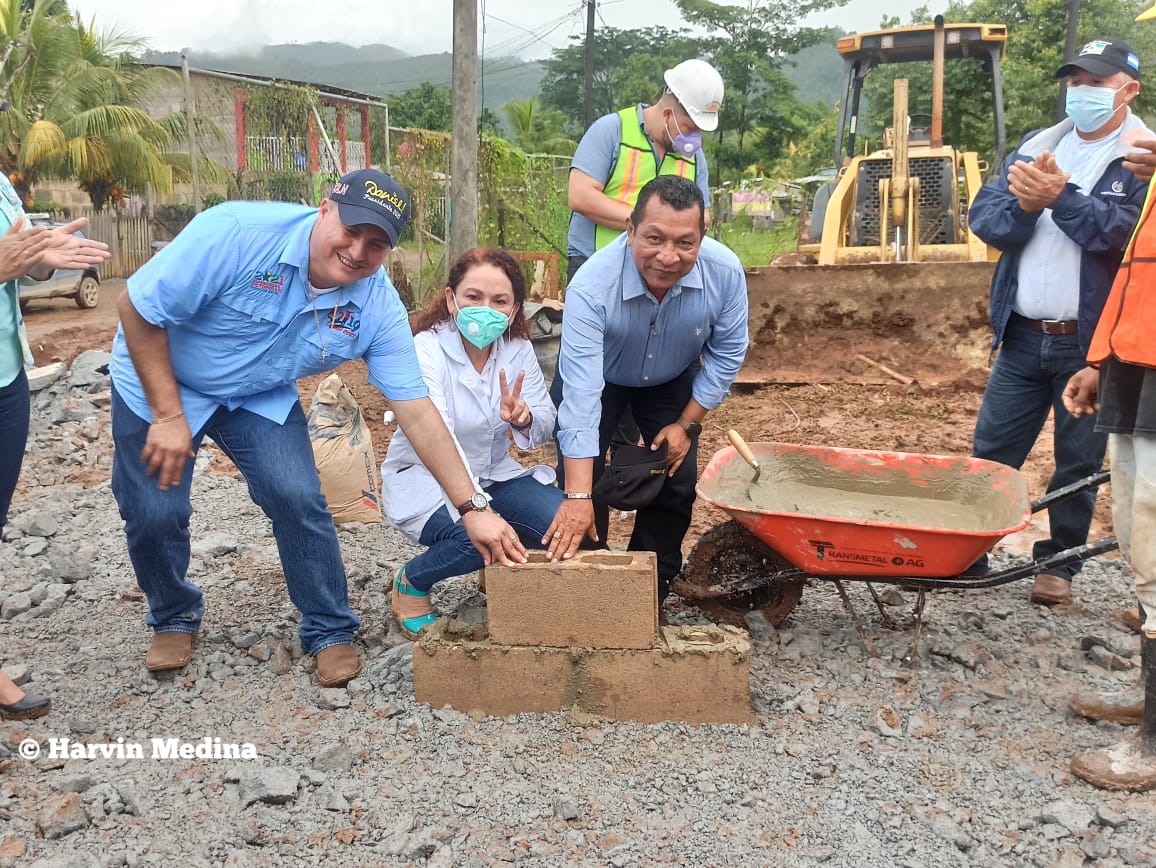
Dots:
{"x": 655, "y": 322}
{"x": 215, "y": 330}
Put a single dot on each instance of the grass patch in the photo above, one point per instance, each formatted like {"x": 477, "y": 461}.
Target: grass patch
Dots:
{"x": 756, "y": 247}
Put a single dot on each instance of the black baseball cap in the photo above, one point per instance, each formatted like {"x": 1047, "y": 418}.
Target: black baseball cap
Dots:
{"x": 1104, "y": 57}
{"x": 368, "y": 196}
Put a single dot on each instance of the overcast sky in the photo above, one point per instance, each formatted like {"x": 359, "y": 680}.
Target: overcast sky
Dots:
{"x": 527, "y": 28}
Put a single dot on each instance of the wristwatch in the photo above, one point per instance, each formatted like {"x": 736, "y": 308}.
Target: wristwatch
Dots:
{"x": 476, "y": 503}
{"x": 693, "y": 429}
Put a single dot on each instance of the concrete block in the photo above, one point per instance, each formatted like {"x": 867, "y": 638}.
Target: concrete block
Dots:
{"x": 694, "y": 674}
{"x": 594, "y": 600}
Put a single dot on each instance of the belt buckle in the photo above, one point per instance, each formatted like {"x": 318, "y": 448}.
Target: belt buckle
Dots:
{"x": 1053, "y": 326}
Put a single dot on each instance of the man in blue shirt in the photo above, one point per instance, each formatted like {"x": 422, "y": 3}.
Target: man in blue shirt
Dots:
{"x": 215, "y": 330}
{"x": 655, "y": 322}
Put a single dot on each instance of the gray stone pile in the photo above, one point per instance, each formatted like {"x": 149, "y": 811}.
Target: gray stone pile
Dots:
{"x": 849, "y": 760}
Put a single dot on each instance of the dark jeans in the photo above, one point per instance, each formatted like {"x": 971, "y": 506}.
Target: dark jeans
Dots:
{"x": 14, "y": 409}
{"x": 1027, "y": 382}
{"x": 277, "y": 463}
{"x": 573, "y": 263}
{"x": 660, "y": 526}
{"x": 524, "y": 502}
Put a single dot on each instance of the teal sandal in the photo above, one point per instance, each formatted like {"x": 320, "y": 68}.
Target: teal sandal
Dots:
{"x": 410, "y": 627}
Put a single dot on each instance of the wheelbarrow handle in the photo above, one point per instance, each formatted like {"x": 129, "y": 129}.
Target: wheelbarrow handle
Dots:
{"x": 1053, "y": 497}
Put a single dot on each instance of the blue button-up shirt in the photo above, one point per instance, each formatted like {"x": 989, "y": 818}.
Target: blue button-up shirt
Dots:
{"x": 614, "y": 331}
{"x": 232, "y": 293}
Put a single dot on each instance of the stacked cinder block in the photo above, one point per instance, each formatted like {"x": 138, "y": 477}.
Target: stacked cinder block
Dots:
{"x": 583, "y": 634}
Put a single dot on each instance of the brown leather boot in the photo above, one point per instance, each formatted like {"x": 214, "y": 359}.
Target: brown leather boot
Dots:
{"x": 337, "y": 665}
{"x": 1050, "y": 590}
{"x": 169, "y": 651}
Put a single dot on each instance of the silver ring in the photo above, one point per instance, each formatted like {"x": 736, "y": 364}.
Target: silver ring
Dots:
{"x": 557, "y": 534}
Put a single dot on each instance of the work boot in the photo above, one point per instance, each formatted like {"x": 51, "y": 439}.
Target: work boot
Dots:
{"x": 1094, "y": 707}
{"x": 1051, "y": 590}
{"x": 169, "y": 651}
{"x": 1129, "y": 766}
{"x": 337, "y": 665}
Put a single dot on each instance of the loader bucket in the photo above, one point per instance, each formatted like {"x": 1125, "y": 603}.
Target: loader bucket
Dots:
{"x": 930, "y": 315}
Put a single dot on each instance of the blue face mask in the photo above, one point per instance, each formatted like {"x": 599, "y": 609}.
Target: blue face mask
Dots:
{"x": 481, "y": 325}
{"x": 685, "y": 144}
{"x": 1091, "y": 107}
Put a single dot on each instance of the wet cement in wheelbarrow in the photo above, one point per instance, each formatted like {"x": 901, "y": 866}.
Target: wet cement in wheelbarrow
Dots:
{"x": 800, "y": 483}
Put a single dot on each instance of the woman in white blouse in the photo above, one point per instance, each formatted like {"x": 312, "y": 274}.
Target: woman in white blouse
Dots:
{"x": 482, "y": 374}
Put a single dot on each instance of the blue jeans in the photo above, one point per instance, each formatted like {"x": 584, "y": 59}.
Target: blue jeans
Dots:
{"x": 14, "y": 408}
{"x": 526, "y": 504}
{"x": 277, "y": 463}
{"x": 1027, "y": 382}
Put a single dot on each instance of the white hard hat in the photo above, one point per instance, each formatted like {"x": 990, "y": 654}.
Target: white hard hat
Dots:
{"x": 699, "y": 89}
{"x": 1147, "y": 16}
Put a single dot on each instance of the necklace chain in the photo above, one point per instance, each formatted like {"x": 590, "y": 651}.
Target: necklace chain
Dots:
{"x": 317, "y": 324}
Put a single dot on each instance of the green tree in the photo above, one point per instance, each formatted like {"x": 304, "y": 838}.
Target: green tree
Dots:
{"x": 1034, "y": 51}
{"x": 537, "y": 130}
{"x": 628, "y": 67}
{"x": 425, "y": 107}
{"x": 76, "y": 108}
{"x": 489, "y": 122}
{"x": 749, "y": 44}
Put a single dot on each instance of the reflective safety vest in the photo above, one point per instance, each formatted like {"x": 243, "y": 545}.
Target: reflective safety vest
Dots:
{"x": 635, "y": 168}
{"x": 1128, "y": 322}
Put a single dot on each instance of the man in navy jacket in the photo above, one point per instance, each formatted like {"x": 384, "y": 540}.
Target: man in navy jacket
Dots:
{"x": 1061, "y": 212}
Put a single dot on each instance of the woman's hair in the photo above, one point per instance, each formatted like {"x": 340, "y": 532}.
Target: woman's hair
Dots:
{"x": 437, "y": 310}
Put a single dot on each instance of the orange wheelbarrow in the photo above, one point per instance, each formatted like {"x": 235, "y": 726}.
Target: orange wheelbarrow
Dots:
{"x": 833, "y": 514}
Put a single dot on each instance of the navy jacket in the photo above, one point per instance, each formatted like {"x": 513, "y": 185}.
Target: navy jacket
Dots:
{"x": 1100, "y": 223}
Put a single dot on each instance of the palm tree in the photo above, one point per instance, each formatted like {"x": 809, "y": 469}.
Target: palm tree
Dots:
{"x": 76, "y": 109}
{"x": 537, "y": 130}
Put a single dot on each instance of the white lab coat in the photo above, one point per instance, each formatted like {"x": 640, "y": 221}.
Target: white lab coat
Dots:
{"x": 469, "y": 403}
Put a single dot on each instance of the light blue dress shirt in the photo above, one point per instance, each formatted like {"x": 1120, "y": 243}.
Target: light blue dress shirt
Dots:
{"x": 615, "y": 331}
{"x": 232, "y": 293}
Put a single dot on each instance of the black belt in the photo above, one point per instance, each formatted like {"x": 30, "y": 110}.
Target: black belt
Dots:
{"x": 1051, "y": 326}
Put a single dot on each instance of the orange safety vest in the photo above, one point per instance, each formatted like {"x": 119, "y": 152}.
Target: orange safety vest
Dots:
{"x": 1127, "y": 324}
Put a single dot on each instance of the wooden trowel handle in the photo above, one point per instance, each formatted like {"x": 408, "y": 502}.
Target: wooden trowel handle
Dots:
{"x": 741, "y": 446}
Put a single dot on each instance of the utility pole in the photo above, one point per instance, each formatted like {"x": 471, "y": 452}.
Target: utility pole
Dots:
{"x": 463, "y": 223}
{"x": 1069, "y": 53}
{"x": 589, "y": 65}
{"x": 190, "y": 112}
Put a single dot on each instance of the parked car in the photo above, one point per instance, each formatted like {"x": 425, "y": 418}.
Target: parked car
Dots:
{"x": 81, "y": 286}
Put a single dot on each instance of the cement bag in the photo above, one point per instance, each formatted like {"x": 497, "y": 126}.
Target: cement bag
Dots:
{"x": 343, "y": 452}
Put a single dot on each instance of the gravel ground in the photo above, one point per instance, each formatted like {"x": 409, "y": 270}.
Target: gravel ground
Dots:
{"x": 850, "y": 760}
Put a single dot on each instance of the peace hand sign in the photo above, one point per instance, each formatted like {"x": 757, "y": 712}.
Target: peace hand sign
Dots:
{"x": 513, "y": 409}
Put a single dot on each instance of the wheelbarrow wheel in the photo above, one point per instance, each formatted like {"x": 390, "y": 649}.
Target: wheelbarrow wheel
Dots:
{"x": 728, "y": 553}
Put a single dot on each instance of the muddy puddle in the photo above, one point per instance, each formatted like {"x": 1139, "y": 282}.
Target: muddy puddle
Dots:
{"x": 945, "y": 498}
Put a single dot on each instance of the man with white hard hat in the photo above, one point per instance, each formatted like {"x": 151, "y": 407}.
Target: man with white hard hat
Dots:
{"x": 621, "y": 152}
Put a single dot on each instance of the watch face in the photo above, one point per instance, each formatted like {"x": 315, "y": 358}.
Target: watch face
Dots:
{"x": 479, "y": 502}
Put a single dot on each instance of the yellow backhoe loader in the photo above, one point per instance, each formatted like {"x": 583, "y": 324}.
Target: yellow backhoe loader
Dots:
{"x": 888, "y": 240}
